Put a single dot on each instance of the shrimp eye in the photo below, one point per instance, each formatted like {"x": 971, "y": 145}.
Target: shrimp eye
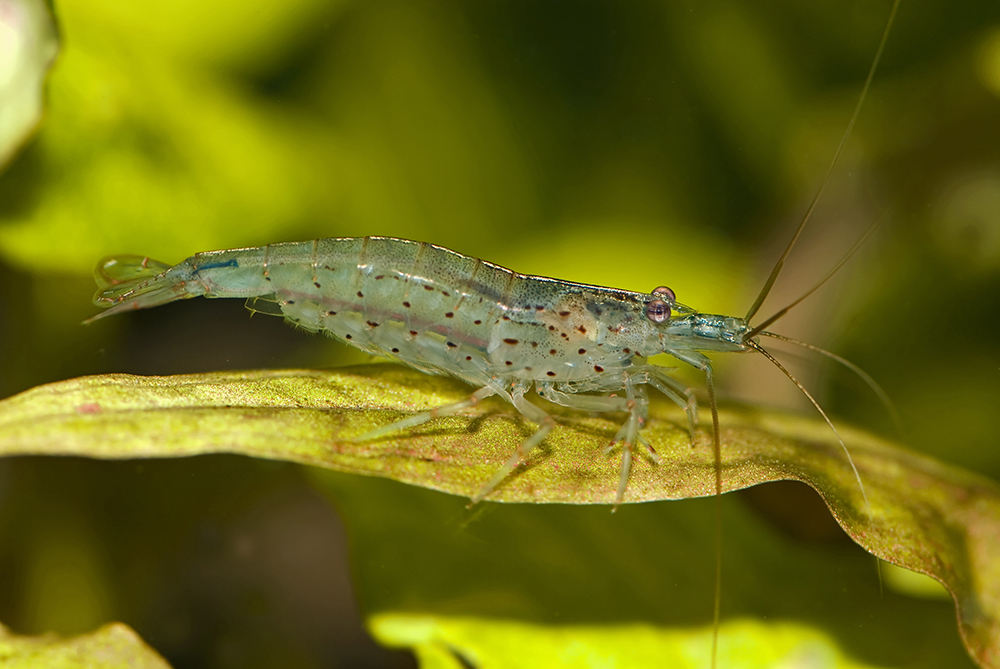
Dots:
{"x": 667, "y": 294}
{"x": 657, "y": 311}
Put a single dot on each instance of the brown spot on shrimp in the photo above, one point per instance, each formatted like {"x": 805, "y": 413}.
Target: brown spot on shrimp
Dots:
{"x": 510, "y": 341}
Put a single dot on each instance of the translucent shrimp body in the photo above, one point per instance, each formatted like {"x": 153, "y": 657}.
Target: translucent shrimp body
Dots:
{"x": 445, "y": 313}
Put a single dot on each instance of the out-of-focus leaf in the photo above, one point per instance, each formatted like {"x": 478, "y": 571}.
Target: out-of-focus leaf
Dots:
{"x": 425, "y": 554}
{"x": 443, "y": 642}
{"x": 150, "y": 148}
{"x": 919, "y": 514}
{"x": 113, "y": 646}
{"x": 28, "y": 45}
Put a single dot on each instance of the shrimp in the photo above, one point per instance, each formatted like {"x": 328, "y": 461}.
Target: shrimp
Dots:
{"x": 580, "y": 346}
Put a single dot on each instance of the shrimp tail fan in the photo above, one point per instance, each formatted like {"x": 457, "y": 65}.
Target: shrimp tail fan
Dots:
{"x": 128, "y": 282}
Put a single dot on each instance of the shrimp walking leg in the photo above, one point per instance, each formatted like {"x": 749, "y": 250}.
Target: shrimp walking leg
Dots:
{"x": 436, "y": 412}
{"x": 533, "y": 413}
{"x": 679, "y": 394}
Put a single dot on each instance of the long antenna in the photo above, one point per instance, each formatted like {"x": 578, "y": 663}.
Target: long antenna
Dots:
{"x": 836, "y": 157}
{"x": 862, "y": 374}
{"x": 836, "y": 268}
{"x": 717, "y": 456}
{"x": 774, "y": 361}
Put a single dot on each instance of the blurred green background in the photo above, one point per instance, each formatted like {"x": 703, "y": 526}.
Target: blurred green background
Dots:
{"x": 629, "y": 144}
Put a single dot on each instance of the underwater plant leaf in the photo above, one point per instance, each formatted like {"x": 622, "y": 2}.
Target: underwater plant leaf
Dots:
{"x": 28, "y": 46}
{"x": 113, "y": 646}
{"x": 450, "y": 642}
{"x": 913, "y": 512}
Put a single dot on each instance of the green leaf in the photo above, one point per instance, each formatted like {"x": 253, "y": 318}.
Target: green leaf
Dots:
{"x": 919, "y": 514}
{"x": 113, "y": 646}
{"x": 28, "y": 45}
{"x": 448, "y": 642}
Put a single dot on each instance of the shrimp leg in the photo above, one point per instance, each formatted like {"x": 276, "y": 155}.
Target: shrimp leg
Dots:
{"x": 531, "y": 412}
{"x": 635, "y": 403}
{"x": 436, "y": 412}
{"x": 677, "y": 392}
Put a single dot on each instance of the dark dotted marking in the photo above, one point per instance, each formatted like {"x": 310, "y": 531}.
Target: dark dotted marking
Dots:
{"x": 446, "y": 293}
{"x": 510, "y": 341}
{"x": 552, "y": 328}
{"x": 582, "y": 330}
{"x": 395, "y": 350}
{"x": 582, "y": 351}
{"x": 506, "y": 318}
{"x": 331, "y": 313}
{"x": 626, "y": 350}
{"x": 449, "y": 315}
{"x": 550, "y": 373}
{"x": 451, "y": 345}
{"x": 413, "y": 332}
{"x": 406, "y": 304}
{"x": 564, "y": 335}
{"x": 552, "y": 351}
{"x": 477, "y": 322}
{"x": 426, "y": 287}
{"x": 564, "y": 314}
{"x": 508, "y": 363}
{"x": 328, "y": 268}
{"x": 468, "y": 358}
{"x": 371, "y": 324}
{"x": 360, "y": 294}
{"x": 598, "y": 368}
{"x": 534, "y": 344}
{"x": 347, "y": 336}
{"x": 380, "y": 276}
{"x": 539, "y": 308}
{"x": 316, "y": 283}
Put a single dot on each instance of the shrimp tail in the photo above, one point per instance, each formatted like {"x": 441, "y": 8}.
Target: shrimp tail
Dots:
{"x": 129, "y": 282}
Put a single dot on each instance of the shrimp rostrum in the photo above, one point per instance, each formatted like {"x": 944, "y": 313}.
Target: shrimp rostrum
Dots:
{"x": 580, "y": 346}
